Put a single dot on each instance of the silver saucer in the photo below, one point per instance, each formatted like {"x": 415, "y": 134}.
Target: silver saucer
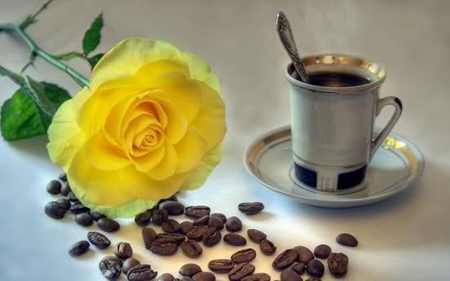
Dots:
{"x": 395, "y": 166}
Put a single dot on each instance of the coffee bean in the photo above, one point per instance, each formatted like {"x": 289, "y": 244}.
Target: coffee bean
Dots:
{"x": 234, "y": 224}
{"x": 299, "y": 268}
{"x": 185, "y": 227}
{"x": 315, "y": 268}
{"x": 304, "y": 254}
{"x": 79, "y": 248}
{"x": 313, "y": 279}
{"x": 191, "y": 248}
{"x": 108, "y": 225}
{"x": 322, "y": 251}
{"x": 204, "y": 276}
{"x": 171, "y": 198}
{"x": 148, "y": 235}
{"x": 129, "y": 264}
{"x": 159, "y": 216}
{"x": 78, "y": 208}
{"x": 190, "y": 269}
{"x": 84, "y": 219}
{"x": 285, "y": 259}
{"x": 196, "y": 233}
{"x": 123, "y": 250}
{"x": 221, "y": 265}
{"x": 166, "y": 277}
{"x": 174, "y": 237}
{"x": 246, "y": 255}
{"x": 54, "y": 187}
{"x": 173, "y": 208}
{"x": 144, "y": 218}
{"x": 96, "y": 215}
{"x": 64, "y": 202}
{"x": 171, "y": 226}
{"x": 55, "y": 210}
{"x": 290, "y": 275}
{"x": 72, "y": 197}
{"x": 234, "y": 239}
{"x": 111, "y": 267}
{"x": 256, "y": 235}
{"x": 62, "y": 177}
{"x": 197, "y": 211}
{"x": 240, "y": 271}
{"x": 141, "y": 272}
{"x": 338, "y": 264}
{"x": 257, "y": 277}
{"x": 65, "y": 189}
{"x": 201, "y": 221}
{"x": 164, "y": 247}
{"x": 215, "y": 222}
{"x": 211, "y": 236}
{"x": 187, "y": 279}
{"x": 267, "y": 247}
{"x": 346, "y": 239}
{"x": 98, "y": 240}
{"x": 251, "y": 208}
{"x": 221, "y": 216}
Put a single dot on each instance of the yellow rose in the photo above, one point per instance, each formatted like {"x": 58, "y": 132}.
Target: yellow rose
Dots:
{"x": 150, "y": 124}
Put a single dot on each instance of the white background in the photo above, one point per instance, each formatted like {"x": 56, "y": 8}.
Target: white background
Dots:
{"x": 404, "y": 238}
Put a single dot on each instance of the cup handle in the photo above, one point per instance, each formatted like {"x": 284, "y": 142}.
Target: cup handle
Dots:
{"x": 397, "y": 104}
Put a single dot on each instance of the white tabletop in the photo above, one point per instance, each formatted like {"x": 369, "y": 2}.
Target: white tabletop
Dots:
{"x": 403, "y": 238}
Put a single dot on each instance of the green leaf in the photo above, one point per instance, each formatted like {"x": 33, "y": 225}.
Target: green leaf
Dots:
{"x": 68, "y": 56}
{"x": 94, "y": 60}
{"x": 93, "y": 35}
{"x": 22, "y": 118}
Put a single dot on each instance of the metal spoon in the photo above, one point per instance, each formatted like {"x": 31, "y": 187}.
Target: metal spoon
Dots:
{"x": 285, "y": 32}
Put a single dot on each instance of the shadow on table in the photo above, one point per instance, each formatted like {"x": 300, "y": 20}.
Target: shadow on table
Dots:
{"x": 36, "y": 146}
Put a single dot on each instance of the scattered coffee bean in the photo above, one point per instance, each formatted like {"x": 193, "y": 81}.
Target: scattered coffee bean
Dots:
{"x": 166, "y": 277}
{"x": 108, "y": 225}
{"x": 285, "y": 259}
{"x": 65, "y": 189}
{"x": 64, "y": 202}
{"x": 55, "y": 210}
{"x": 221, "y": 265}
{"x": 173, "y": 208}
{"x": 246, "y": 255}
{"x": 338, "y": 264}
{"x": 234, "y": 239}
{"x": 54, "y": 187}
{"x": 190, "y": 269}
{"x": 79, "y": 248}
{"x": 78, "y": 208}
{"x": 299, "y": 268}
{"x": 204, "y": 276}
{"x": 313, "y": 279}
{"x": 144, "y": 218}
{"x": 234, "y": 224}
{"x": 187, "y": 279}
{"x": 123, "y": 250}
{"x": 290, "y": 275}
{"x": 164, "y": 247}
{"x": 322, "y": 251}
{"x": 185, "y": 227}
{"x": 171, "y": 226}
{"x": 84, "y": 219}
{"x": 62, "y": 177}
{"x": 141, "y": 272}
{"x": 256, "y": 235}
{"x": 129, "y": 264}
{"x": 346, "y": 239}
{"x": 251, "y": 208}
{"x": 267, "y": 247}
{"x": 221, "y": 216}
{"x": 159, "y": 216}
{"x": 304, "y": 254}
{"x": 148, "y": 235}
{"x": 211, "y": 236}
{"x": 197, "y": 211}
{"x": 191, "y": 248}
{"x": 72, "y": 197}
{"x": 201, "y": 221}
{"x": 174, "y": 237}
{"x": 215, "y": 222}
{"x": 240, "y": 271}
{"x": 257, "y": 277}
{"x": 98, "y": 240}
{"x": 315, "y": 268}
{"x": 96, "y": 215}
{"x": 196, "y": 233}
{"x": 111, "y": 267}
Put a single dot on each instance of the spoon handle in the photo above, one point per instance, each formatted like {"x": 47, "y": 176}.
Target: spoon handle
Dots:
{"x": 285, "y": 32}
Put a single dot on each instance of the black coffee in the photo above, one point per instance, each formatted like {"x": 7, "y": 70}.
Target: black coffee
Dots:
{"x": 336, "y": 79}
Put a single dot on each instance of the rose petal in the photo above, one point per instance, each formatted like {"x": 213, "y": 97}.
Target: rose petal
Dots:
{"x": 190, "y": 150}
{"x": 168, "y": 165}
{"x": 201, "y": 71}
{"x": 103, "y": 155}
